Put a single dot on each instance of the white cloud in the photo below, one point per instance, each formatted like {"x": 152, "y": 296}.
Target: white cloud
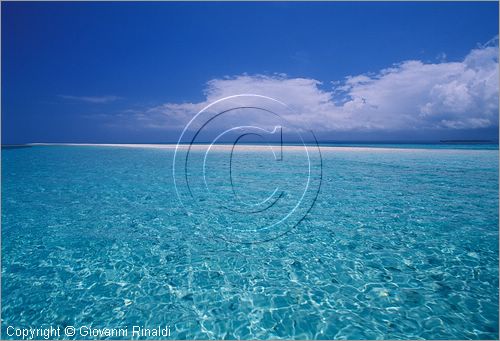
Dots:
{"x": 91, "y": 99}
{"x": 408, "y": 95}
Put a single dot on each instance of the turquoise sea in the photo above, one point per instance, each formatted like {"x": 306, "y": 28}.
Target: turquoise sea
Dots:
{"x": 401, "y": 243}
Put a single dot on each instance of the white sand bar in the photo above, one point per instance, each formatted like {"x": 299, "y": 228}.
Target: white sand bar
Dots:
{"x": 243, "y": 147}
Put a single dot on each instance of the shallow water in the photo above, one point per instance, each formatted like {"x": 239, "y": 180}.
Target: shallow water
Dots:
{"x": 399, "y": 244}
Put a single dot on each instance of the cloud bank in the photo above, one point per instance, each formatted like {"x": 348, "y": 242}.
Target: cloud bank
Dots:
{"x": 411, "y": 95}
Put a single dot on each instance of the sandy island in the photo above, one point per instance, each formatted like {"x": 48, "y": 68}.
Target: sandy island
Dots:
{"x": 244, "y": 147}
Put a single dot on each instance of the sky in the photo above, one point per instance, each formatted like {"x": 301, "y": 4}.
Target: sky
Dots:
{"x": 138, "y": 72}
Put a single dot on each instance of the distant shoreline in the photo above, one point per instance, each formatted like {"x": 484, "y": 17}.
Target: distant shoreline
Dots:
{"x": 387, "y": 147}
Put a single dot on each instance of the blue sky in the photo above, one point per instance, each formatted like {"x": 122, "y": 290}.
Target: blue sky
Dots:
{"x": 136, "y": 72}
